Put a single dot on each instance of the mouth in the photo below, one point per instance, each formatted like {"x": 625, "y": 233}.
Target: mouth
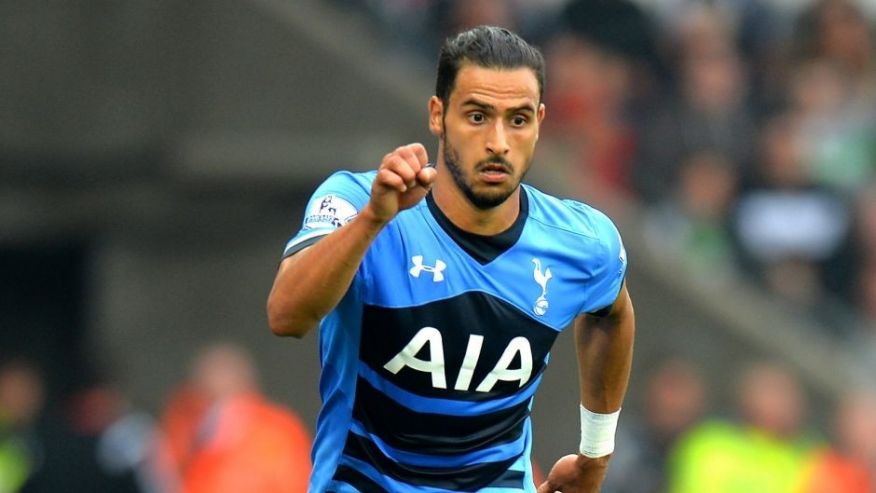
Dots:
{"x": 492, "y": 172}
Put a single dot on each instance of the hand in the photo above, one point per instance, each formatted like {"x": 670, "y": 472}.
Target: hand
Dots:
{"x": 575, "y": 474}
{"x": 402, "y": 180}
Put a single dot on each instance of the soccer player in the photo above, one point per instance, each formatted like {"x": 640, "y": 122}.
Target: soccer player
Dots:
{"x": 439, "y": 291}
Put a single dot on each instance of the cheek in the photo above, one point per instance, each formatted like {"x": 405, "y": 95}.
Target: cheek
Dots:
{"x": 465, "y": 143}
{"x": 526, "y": 143}
{"x": 468, "y": 136}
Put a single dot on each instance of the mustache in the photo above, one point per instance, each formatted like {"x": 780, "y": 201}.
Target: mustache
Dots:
{"x": 493, "y": 161}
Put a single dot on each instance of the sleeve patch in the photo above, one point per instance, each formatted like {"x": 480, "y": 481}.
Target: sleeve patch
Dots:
{"x": 329, "y": 211}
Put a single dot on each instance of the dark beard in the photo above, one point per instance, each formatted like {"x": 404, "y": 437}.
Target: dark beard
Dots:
{"x": 482, "y": 201}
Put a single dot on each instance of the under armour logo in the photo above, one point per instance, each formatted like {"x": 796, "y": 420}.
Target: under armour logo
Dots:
{"x": 542, "y": 278}
{"x": 437, "y": 271}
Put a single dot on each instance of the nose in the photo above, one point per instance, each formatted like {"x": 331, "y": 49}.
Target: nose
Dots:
{"x": 497, "y": 140}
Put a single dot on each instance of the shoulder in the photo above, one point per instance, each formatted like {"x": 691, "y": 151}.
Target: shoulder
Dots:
{"x": 348, "y": 181}
{"x": 337, "y": 200}
{"x": 572, "y": 217}
{"x": 342, "y": 192}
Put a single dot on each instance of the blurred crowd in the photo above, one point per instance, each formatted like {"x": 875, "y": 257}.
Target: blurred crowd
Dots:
{"x": 217, "y": 433}
{"x": 747, "y": 129}
{"x": 680, "y": 444}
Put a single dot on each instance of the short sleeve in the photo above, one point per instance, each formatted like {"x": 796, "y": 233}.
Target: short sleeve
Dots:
{"x": 334, "y": 203}
{"x": 609, "y": 271}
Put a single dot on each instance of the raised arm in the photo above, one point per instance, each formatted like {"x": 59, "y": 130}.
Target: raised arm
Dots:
{"x": 605, "y": 350}
{"x": 311, "y": 282}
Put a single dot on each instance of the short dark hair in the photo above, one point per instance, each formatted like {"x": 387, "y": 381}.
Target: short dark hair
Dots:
{"x": 488, "y": 47}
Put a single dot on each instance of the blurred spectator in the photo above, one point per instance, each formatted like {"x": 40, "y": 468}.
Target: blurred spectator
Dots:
{"x": 185, "y": 409}
{"x": 421, "y": 25}
{"x": 834, "y": 88}
{"x": 21, "y": 401}
{"x": 538, "y": 19}
{"x": 708, "y": 110}
{"x": 757, "y": 29}
{"x": 836, "y": 127}
{"x": 98, "y": 443}
{"x": 675, "y": 398}
{"x": 694, "y": 221}
{"x": 586, "y": 97}
{"x": 839, "y": 31}
{"x": 599, "y": 63}
{"x": 765, "y": 451}
{"x": 701, "y": 29}
{"x": 788, "y": 227}
{"x": 863, "y": 341}
{"x": 850, "y": 464}
{"x": 619, "y": 26}
{"x": 227, "y": 437}
{"x": 467, "y": 14}
{"x": 866, "y": 223}
{"x": 864, "y": 297}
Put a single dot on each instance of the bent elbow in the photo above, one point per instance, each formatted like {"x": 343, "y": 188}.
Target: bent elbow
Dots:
{"x": 288, "y": 329}
{"x": 287, "y": 325}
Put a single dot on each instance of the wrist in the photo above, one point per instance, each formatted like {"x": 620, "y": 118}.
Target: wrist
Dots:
{"x": 597, "y": 433}
{"x": 372, "y": 218}
{"x": 585, "y": 462}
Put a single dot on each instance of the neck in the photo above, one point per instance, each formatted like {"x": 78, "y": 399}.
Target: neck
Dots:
{"x": 464, "y": 215}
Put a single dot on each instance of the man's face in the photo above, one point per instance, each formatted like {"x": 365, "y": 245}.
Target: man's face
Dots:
{"x": 488, "y": 130}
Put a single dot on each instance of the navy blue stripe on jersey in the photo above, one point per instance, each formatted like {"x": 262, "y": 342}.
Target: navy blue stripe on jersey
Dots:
{"x": 356, "y": 479}
{"x": 445, "y": 406}
{"x": 465, "y": 478}
{"x": 366, "y": 479}
{"x": 511, "y": 479}
{"x": 302, "y": 243}
{"x": 426, "y": 431}
{"x": 458, "y": 319}
{"x": 496, "y": 453}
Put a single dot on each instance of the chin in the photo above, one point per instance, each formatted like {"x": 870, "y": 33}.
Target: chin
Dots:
{"x": 490, "y": 199}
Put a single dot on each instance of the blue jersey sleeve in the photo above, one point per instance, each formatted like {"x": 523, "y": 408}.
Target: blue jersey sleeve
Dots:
{"x": 608, "y": 275}
{"x": 334, "y": 203}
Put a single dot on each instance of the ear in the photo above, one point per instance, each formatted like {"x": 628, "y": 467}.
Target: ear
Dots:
{"x": 436, "y": 116}
{"x": 539, "y": 116}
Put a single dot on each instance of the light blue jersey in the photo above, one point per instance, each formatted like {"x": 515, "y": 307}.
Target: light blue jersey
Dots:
{"x": 431, "y": 359}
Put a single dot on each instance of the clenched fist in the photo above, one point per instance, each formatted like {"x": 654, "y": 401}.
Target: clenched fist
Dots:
{"x": 575, "y": 474}
{"x": 402, "y": 180}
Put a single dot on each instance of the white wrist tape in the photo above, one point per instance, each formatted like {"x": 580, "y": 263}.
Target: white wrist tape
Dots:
{"x": 597, "y": 433}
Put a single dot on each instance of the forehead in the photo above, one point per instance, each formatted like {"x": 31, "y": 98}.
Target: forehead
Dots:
{"x": 515, "y": 85}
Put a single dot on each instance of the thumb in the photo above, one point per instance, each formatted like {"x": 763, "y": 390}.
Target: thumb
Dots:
{"x": 426, "y": 177}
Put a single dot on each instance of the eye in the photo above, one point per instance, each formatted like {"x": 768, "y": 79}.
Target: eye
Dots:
{"x": 476, "y": 117}
{"x": 519, "y": 120}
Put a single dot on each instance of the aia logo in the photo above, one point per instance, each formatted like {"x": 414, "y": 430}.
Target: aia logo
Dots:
{"x": 518, "y": 349}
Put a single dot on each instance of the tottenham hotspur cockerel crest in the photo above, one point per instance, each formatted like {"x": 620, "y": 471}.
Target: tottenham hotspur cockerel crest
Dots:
{"x": 542, "y": 278}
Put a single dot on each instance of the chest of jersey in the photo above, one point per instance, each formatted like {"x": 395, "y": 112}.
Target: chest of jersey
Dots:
{"x": 438, "y": 321}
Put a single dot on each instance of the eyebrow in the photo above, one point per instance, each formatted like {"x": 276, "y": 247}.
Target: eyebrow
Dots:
{"x": 485, "y": 106}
